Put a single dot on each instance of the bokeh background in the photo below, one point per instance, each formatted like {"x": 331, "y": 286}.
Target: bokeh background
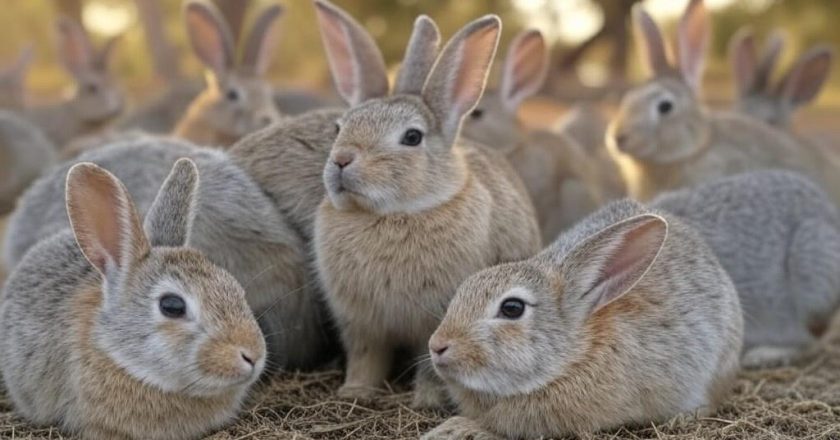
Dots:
{"x": 592, "y": 46}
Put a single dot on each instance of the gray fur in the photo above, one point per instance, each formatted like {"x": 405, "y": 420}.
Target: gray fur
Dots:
{"x": 778, "y": 236}
{"x": 25, "y": 151}
{"x": 237, "y": 226}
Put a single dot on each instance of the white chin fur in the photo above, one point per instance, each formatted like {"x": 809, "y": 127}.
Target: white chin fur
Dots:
{"x": 500, "y": 383}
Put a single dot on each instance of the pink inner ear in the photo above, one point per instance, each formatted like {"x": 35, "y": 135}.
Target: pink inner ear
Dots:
{"x": 524, "y": 70}
{"x": 77, "y": 53}
{"x": 629, "y": 261}
{"x": 340, "y": 54}
{"x": 471, "y": 73}
{"x": 809, "y": 78}
{"x": 208, "y": 39}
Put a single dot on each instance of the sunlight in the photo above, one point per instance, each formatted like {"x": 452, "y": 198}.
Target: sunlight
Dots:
{"x": 107, "y": 19}
{"x": 569, "y": 21}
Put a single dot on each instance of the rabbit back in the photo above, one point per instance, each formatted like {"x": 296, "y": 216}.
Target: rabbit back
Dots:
{"x": 24, "y": 153}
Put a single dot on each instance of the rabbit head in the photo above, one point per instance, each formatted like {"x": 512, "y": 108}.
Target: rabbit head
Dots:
{"x": 494, "y": 120}
{"x": 394, "y": 153}
{"x": 774, "y": 103}
{"x": 12, "y": 79}
{"x": 662, "y": 120}
{"x": 512, "y": 328}
{"x": 96, "y": 97}
{"x": 237, "y": 100}
{"x": 168, "y": 316}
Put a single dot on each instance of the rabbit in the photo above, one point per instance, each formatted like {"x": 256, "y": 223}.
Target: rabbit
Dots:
{"x": 628, "y": 318}
{"x": 25, "y": 151}
{"x": 13, "y": 79}
{"x": 562, "y": 180}
{"x": 237, "y": 227}
{"x": 237, "y": 99}
{"x": 587, "y": 123}
{"x": 663, "y": 138}
{"x": 410, "y": 210}
{"x": 97, "y": 99}
{"x": 120, "y": 331}
{"x": 777, "y": 234}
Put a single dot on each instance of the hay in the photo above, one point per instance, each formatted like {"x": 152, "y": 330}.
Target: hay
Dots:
{"x": 801, "y": 402}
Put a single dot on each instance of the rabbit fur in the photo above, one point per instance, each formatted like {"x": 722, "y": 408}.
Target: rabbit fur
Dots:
{"x": 403, "y": 225}
{"x": 626, "y": 318}
{"x": 72, "y": 305}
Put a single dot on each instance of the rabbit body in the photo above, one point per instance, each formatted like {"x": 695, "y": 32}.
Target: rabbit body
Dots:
{"x": 665, "y": 341}
{"x": 84, "y": 344}
{"x": 24, "y": 153}
{"x": 777, "y": 234}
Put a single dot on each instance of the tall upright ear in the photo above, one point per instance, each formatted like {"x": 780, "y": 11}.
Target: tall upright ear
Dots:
{"x": 20, "y": 67}
{"x": 743, "y": 57}
{"x": 767, "y": 62}
{"x": 209, "y": 36}
{"x": 525, "y": 68}
{"x": 77, "y": 52}
{"x": 261, "y": 41}
{"x": 170, "y": 217}
{"x": 649, "y": 42}
{"x": 692, "y": 42}
{"x": 608, "y": 264}
{"x": 419, "y": 57}
{"x": 104, "y": 55}
{"x": 457, "y": 79}
{"x": 104, "y": 220}
{"x": 802, "y": 84}
{"x": 357, "y": 66}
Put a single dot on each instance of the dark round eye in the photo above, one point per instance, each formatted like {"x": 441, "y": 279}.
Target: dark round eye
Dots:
{"x": 172, "y": 306}
{"x": 477, "y": 113}
{"x": 665, "y": 107}
{"x": 512, "y": 308}
{"x": 91, "y": 88}
{"x": 412, "y": 137}
{"x": 337, "y": 128}
{"x": 232, "y": 95}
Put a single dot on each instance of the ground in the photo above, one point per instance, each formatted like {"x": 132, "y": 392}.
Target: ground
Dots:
{"x": 799, "y": 402}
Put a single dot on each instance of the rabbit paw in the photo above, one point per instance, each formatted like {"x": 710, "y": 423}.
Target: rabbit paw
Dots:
{"x": 459, "y": 428}
{"x": 769, "y": 357}
{"x": 430, "y": 396}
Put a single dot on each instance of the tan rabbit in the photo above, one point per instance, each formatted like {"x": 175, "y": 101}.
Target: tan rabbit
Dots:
{"x": 13, "y": 79}
{"x": 117, "y": 331}
{"x": 563, "y": 182}
{"x": 628, "y": 318}
{"x": 663, "y": 138}
{"x": 411, "y": 211}
{"x": 237, "y": 99}
{"x": 96, "y": 100}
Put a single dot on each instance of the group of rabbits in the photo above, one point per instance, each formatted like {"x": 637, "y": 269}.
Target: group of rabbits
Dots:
{"x": 153, "y": 279}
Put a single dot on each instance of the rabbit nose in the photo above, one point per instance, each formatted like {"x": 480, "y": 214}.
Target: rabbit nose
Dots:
{"x": 249, "y": 358}
{"x": 343, "y": 159}
{"x": 438, "y": 347}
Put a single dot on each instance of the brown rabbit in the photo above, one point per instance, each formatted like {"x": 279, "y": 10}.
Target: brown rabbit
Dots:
{"x": 97, "y": 99}
{"x": 12, "y": 81}
{"x": 411, "y": 211}
{"x": 562, "y": 180}
{"x": 237, "y": 99}
{"x": 663, "y": 138}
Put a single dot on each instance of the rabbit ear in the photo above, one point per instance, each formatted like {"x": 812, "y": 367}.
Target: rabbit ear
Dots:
{"x": 769, "y": 57}
{"x": 802, "y": 84}
{"x": 210, "y": 36}
{"x": 457, "y": 79}
{"x": 21, "y": 65}
{"x": 170, "y": 217}
{"x": 261, "y": 41}
{"x": 692, "y": 41}
{"x": 744, "y": 57}
{"x": 104, "y": 55}
{"x": 608, "y": 264}
{"x": 420, "y": 56}
{"x": 649, "y": 42}
{"x": 104, "y": 220}
{"x": 525, "y": 68}
{"x": 357, "y": 66}
{"x": 77, "y": 52}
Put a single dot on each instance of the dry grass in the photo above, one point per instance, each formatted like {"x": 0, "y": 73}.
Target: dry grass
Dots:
{"x": 800, "y": 402}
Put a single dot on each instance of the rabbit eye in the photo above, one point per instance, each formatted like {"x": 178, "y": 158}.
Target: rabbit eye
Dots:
{"x": 337, "y": 128}
{"x": 512, "y": 308}
{"x": 412, "y": 137}
{"x": 232, "y": 95}
{"x": 665, "y": 107}
{"x": 172, "y": 306}
{"x": 477, "y": 113}
{"x": 91, "y": 88}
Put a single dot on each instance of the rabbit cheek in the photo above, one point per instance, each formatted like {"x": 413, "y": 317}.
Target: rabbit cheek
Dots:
{"x": 223, "y": 360}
